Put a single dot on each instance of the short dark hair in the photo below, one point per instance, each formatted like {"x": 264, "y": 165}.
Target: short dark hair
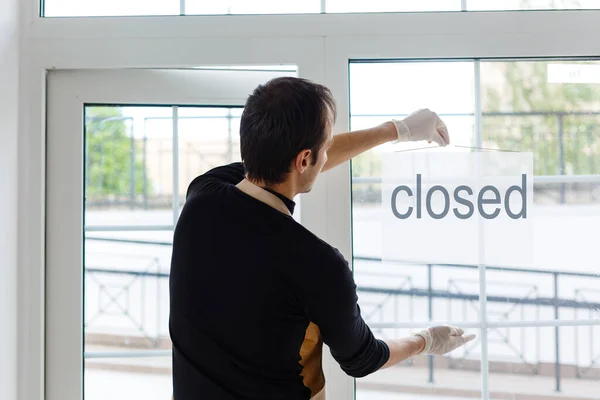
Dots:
{"x": 281, "y": 118}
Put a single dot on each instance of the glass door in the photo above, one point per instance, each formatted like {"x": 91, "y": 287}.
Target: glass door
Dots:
{"x": 122, "y": 148}
{"x": 537, "y": 323}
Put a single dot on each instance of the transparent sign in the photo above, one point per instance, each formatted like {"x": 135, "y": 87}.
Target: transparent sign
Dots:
{"x": 462, "y": 208}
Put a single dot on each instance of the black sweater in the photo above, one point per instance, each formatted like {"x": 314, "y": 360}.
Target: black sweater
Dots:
{"x": 245, "y": 282}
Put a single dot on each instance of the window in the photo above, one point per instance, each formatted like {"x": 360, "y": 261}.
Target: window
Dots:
{"x": 138, "y": 165}
{"x": 356, "y": 6}
{"x": 203, "y": 7}
{"x": 475, "y": 5}
{"x": 94, "y": 8}
{"x": 548, "y": 108}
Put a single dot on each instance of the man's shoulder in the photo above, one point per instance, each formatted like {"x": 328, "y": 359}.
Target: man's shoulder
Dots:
{"x": 318, "y": 248}
{"x": 217, "y": 178}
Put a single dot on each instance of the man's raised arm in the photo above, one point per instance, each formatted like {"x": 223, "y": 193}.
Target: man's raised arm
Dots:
{"x": 421, "y": 125}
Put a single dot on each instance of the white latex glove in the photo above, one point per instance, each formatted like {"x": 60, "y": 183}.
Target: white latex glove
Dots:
{"x": 440, "y": 340}
{"x": 422, "y": 125}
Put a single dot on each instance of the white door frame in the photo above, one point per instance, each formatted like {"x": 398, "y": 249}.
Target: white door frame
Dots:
{"x": 68, "y": 93}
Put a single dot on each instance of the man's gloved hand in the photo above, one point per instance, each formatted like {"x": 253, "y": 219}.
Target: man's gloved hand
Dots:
{"x": 440, "y": 340}
{"x": 422, "y": 125}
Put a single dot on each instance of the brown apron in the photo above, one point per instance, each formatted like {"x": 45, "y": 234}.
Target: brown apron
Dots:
{"x": 311, "y": 350}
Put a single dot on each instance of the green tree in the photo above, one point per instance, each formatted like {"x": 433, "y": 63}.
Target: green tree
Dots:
{"x": 523, "y": 111}
{"x": 113, "y": 158}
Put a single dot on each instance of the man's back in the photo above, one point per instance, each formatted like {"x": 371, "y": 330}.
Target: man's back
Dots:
{"x": 246, "y": 281}
{"x": 254, "y": 295}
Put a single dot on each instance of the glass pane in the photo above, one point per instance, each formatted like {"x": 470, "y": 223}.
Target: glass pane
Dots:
{"x": 534, "y": 294}
{"x": 126, "y": 289}
{"x": 126, "y": 309}
{"x": 352, "y": 6}
{"x": 433, "y": 378}
{"x": 580, "y": 193}
{"x": 382, "y": 91}
{"x": 207, "y": 137}
{"x": 402, "y": 87}
{"x": 473, "y": 5}
{"x": 399, "y": 292}
{"x": 127, "y": 378}
{"x": 105, "y": 8}
{"x": 89, "y": 8}
{"x": 252, "y": 7}
{"x": 523, "y": 362}
{"x": 131, "y": 172}
{"x": 546, "y": 107}
{"x": 128, "y": 170}
{"x": 550, "y": 108}
{"x": 396, "y": 292}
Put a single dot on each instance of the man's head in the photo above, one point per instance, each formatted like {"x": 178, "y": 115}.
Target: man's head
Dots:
{"x": 285, "y": 131}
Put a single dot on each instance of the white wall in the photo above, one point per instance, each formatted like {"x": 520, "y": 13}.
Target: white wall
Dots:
{"x": 9, "y": 99}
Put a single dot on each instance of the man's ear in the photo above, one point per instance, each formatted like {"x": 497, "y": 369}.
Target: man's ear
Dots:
{"x": 303, "y": 160}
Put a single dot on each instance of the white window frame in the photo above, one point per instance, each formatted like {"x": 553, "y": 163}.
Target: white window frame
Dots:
{"x": 320, "y": 45}
{"x": 341, "y": 50}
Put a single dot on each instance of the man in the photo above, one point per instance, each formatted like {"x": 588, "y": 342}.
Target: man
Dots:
{"x": 254, "y": 295}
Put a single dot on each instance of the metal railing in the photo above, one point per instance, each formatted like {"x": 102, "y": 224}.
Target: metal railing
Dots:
{"x": 137, "y": 179}
{"x": 567, "y": 143}
{"x": 406, "y": 289}
{"x": 531, "y": 298}
{"x": 566, "y": 146}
